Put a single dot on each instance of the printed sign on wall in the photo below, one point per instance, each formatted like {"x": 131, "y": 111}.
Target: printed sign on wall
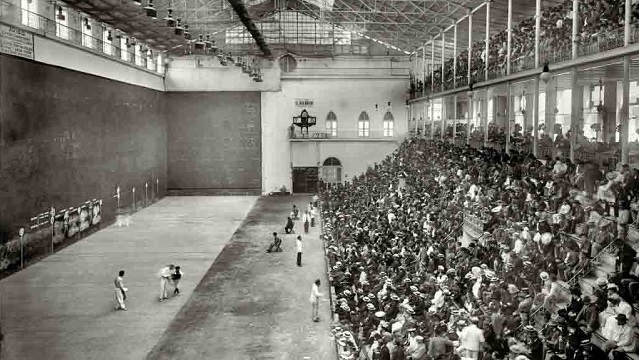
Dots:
{"x": 304, "y": 103}
{"x": 16, "y": 41}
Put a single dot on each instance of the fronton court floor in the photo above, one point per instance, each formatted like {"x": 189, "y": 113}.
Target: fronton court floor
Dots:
{"x": 237, "y": 301}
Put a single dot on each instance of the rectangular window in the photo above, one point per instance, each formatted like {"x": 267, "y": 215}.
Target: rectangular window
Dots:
{"x": 389, "y": 128}
{"x": 363, "y": 129}
{"x": 62, "y": 23}
{"x": 138, "y": 55}
{"x": 87, "y": 33}
{"x": 30, "y": 13}
{"x": 124, "y": 50}
{"x": 107, "y": 41}
{"x": 331, "y": 128}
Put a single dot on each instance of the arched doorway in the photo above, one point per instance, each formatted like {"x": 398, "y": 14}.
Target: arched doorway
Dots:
{"x": 332, "y": 171}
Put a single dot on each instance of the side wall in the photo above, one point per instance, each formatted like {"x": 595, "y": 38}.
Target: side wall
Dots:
{"x": 68, "y": 137}
{"x": 214, "y": 144}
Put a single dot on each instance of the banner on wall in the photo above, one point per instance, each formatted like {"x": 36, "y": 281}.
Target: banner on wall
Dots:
{"x": 304, "y": 103}
{"x": 16, "y": 42}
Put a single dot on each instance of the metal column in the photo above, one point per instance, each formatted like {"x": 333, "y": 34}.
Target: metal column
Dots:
{"x": 510, "y": 39}
{"x": 432, "y": 67}
{"x": 470, "y": 115}
{"x": 575, "y": 113}
{"x": 575, "y": 28}
{"x": 443, "y": 49}
{"x": 470, "y": 46}
{"x": 536, "y": 118}
{"x": 487, "y": 39}
{"x": 625, "y": 107}
{"x": 454, "y": 116}
{"x": 455, "y": 56}
{"x": 432, "y": 120}
{"x": 537, "y": 37}
{"x": 484, "y": 116}
{"x": 509, "y": 106}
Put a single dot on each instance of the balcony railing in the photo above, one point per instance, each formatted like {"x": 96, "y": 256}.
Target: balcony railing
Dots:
{"x": 13, "y": 14}
{"x": 602, "y": 41}
{"x": 345, "y": 135}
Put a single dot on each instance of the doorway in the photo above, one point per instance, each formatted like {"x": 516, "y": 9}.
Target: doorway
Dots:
{"x": 305, "y": 180}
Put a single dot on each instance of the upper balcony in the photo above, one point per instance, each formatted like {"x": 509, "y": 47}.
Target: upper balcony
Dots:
{"x": 442, "y": 64}
{"x": 345, "y": 135}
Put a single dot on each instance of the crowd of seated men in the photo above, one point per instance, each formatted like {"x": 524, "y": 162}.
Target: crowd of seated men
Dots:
{"x": 407, "y": 287}
{"x": 598, "y": 20}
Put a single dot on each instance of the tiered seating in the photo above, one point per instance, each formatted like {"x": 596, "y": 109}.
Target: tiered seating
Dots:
{"x": 548, "y": 232}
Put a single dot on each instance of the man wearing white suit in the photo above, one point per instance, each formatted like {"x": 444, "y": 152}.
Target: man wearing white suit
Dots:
{"x": 165, "y": 277}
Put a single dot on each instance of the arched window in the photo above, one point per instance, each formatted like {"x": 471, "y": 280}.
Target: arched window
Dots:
{"x": 389, "y": 124}
{"x": 332, "y": 170}
{"x": 364, "y": 125}
{"x": 331, "y": 161}
{"x": 331, "y": 124}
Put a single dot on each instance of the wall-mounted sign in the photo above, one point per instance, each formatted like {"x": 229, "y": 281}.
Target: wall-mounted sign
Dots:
{"x": 17, "y": 42}
{"x": 304, "y": 103}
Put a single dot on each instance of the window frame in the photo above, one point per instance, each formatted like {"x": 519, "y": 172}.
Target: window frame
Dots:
{"x": 87, "y": 34}
{"x": 363, "y": 128}
{"x": 107, "y": 45}
{"x": 62, "y": 27}
{"x": 389, "y": 128}
{"x": 29, "y": 13}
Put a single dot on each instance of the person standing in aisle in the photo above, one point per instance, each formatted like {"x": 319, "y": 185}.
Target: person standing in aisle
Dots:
{"x": 299, "y": 250}
{"x": 315, "y": 295}
{"x": 306, "y": 219}
{"x": 120, "y": 292}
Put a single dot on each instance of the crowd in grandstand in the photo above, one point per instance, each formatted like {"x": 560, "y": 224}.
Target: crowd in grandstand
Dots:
{"x": 409, "y": 285}
{"x": 599, "y": 21}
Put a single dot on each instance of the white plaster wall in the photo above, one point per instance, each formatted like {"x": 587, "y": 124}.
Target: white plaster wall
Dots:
{"x": 347, "y": 98}
{"x": 204, "y": 73}
{"x": 56, "y": 53}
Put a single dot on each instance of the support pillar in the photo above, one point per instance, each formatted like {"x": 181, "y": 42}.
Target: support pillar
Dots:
{"x": 626, "y": 24}
{"x": 432, "y": 120}
{"x": 509, "y": 113}
{"x": 470, "y": 116}
{"x": 443, "y": 117}
{"x": 432, "y": 67}
{"x": 486, "y": 61}
{"x": 528, "y": 111}
{"x": 425, "y": 117}
{"x": 455, "y": 56}
{"x": 625, "y": 111}
{"x": 609, "y": 121}
{"x": 537, "y": 36}
{"x": 576, "y": 113}
{"x": 510, "y": 39}
{"x": 536, "y": 115}
{"x": 454, "y": 116}
{"x": 575, "y": 29}
{"x": 443, "y": 60}
{"x": 470, "y": 46}
{"x": 484, "y": 116}
{"x": 551, "y": 104}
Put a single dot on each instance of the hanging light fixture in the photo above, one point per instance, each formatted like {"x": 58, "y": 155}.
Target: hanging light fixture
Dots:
{"x": 170, "y": 21}
{"x": 109, "y": 36}
{"x": 187, "y": 34}
{"x": 179, "y": 30}
{"x": 150, "y": 10}
{"x": 87, "y": 24}
{"x": 60, "y": 16}
{"x": 207, "y": 42}
{"x": 199, "y": 43}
